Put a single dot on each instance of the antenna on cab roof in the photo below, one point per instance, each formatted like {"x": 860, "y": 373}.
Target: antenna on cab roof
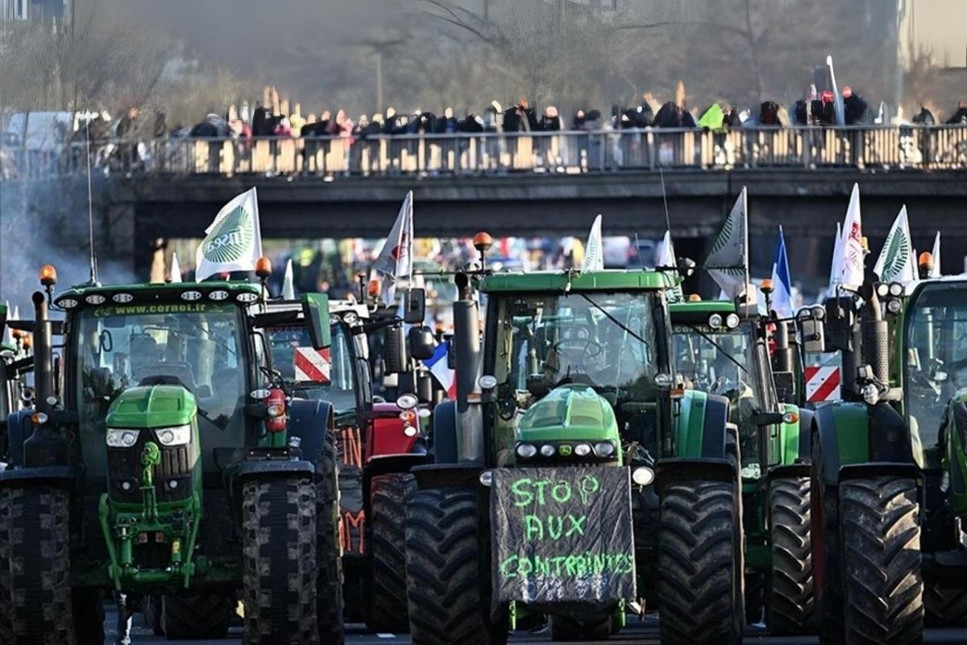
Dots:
{"x": 90, "y": 207}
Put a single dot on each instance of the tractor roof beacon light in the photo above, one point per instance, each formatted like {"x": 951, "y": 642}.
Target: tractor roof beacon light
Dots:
{"x": 48, "y": 278}
{"x": 767, "y": 289}
{"x": 925, "y": 263}
{"x": 482, "y": 241}
{"x": 263, "y": 269}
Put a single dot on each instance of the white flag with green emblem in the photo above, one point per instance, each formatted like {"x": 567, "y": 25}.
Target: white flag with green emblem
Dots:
{"x": 665, "y": 258}
{"x": 896, "y": 262}
{"x": 594, "y": 253}
{"x": 233, "y": 242}
{"x": 729, "y": 260}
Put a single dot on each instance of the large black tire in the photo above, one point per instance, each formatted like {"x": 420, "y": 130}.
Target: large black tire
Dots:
{"x": 329, "y": 584}
{"x": 944, "y": 606}
{"x": 447, "y": 582}
{"x": 791, "y": 608}
{"x": 825, "y": 537}
{"x": 883, "y": 582}
{"x": 387, "y": 595}
{"x": 35, "y": 588}
{"x": 697, "y": 564}
{"x": 594, "y": 627}
{"x": 196, "y": 616}
{"x": 88, "y": 607}
{"x": 279, "y": 561}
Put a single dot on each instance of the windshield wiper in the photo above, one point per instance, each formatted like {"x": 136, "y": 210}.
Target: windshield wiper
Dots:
{"x": 717, "y": 346}
{"x": 617, "y": 322}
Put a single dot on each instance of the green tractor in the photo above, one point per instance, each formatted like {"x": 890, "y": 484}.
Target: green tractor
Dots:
{"x": 721, "y": 352}
{"x": 165, "y": 459}
{"x": 889, "y": 468}
{"x": 573, "y": 477}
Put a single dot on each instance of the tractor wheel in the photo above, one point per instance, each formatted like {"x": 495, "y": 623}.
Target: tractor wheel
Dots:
{"x": 35, "y": 588}
{"x": 88, "y": 608}
{"x": 447, "y": 584}
{"x": 944, "y": 606}
{"x": 197, "y": 616}
{"x": 698, "y": 564}
{"x": 279, "y": 561}
{"x": 881, "y": 540}
{"x": 825, "y": 537}
{"x": 151, "y": 612}
{"x": 329, "y": 584}
{"x": 597, "y": 627}
{"x": 791, "y": 603}
{"x": 387, "y": 596}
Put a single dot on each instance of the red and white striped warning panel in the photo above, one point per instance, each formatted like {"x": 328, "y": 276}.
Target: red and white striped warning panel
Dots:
{"x": 312, "y": 365}
{"x": 822, "y": 383}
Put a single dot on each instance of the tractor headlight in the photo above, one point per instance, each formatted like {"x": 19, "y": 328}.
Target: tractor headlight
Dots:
{"x": 177, "y": 436}
{"x": 715, "y": 321}
{"x": 896, "y": 289}
{"x": 643, "y": 476}
{"x": 882, "y": 289}
{"x": 604, "y": 449}
{"x": 893, "y": 306}
{"x": 121, "y": 438}
{"x": 526, "y": 450}
{"x": 732, "y": 321}
{"x": 548, "y": 450}
{"x": 582, "y": 449}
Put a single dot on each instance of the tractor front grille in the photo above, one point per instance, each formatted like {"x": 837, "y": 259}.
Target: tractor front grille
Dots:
{"x": 177, "y": 465}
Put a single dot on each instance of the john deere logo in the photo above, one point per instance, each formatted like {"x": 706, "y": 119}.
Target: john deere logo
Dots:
{"x": 231, "y": 238}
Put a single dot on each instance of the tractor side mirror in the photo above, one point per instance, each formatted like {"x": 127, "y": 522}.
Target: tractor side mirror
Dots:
{"x": 421, "y": 343}
{"x": 839, "y": 318}
{"x": 414, "y": 306}
{"x": 315, "y": 310}
{"x": 785, "y": 386}
{"x": 394, "y": 349}
{"x": 812, "y": 327}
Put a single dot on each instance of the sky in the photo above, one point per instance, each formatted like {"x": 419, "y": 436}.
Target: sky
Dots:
{"x": 942, "y": 26}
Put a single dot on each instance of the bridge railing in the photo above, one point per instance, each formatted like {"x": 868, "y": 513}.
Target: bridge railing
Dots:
{"x": 895, "y": 147}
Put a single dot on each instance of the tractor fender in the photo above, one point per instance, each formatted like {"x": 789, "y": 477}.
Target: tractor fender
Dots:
{"x": 882, "y": 469}
{"x": 268, "y": 468}
{"x": 789, "y": 471}
{"x": 455, "y": 475}
{"x": 61, "y": 476}
{"x": 841, "y": 429}
{"x": 310, "y": 420}
{"x": 794, "y": 437}
{"x": 678, "y": 470}
{"x": 445, "y": 433}
{"x": 19, "y": 429}
{"x": 388, "y": 465}
{"x": 700, "y": 426}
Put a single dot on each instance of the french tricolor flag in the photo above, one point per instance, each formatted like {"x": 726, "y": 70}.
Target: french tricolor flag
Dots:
{"x": 437, "y": 364}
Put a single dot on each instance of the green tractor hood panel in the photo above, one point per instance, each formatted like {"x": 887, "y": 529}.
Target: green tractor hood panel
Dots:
{"x": 153, "y": 406}
{"x": 572, "y": 412}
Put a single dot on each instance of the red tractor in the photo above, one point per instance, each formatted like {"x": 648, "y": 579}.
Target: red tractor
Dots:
{"x": 377, "y": 443}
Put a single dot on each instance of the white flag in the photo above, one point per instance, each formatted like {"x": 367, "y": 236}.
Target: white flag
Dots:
{"x": 896, "y": 263}
{"x": 665, "y": 257}
{"x": 233, "y": 242}
{"x": 395, "y": 261}
{"x": 851, "y": 269}
{"x": 288, "y": 282}
{"x": 935, "y": 271}
{"x": 175, "y": 273}
{"x": 729, "y": 260}
{"x": 594, "y": 253}
{"x": 836, "y": 264}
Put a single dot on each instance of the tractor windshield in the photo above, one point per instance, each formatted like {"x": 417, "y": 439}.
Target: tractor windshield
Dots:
{"x": 606, "y": 340}
{"x": 202, "y": 350}
{"x": 935, "y": 366}
{"x": 325, "y": 374}
{"x": 722, "y": 361}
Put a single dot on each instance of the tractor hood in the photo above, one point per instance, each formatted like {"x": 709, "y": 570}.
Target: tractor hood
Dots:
{"x": 152, "y": 406}
{"x": 572, "y": 412}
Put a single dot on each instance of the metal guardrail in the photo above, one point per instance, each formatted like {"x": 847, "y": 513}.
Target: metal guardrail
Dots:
{"x": 891, "y": 147}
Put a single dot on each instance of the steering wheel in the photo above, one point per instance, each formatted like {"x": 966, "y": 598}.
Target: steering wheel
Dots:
{"x": 584, "y": 347}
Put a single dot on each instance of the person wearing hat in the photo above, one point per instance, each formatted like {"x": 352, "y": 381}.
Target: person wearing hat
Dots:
{"x": 855, "y": 108}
